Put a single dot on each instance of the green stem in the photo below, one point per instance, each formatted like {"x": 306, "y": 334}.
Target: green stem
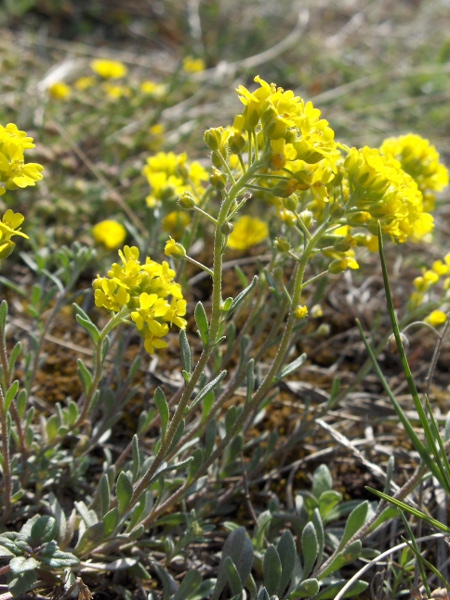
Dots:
{"x": 98, "y": 365}
{"x": 6, "y": 460}
{"x": 214, "y": 329}
{"x": 266, "y": 384}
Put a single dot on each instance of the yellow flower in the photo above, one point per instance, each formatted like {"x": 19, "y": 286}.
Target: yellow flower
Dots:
{"x": 173, "y": 248}
{"x": 109, "y": 69}
{"x": 301, "y": 312}
{"x": 115, "y": 92}
{"x": 437, "y": 317}
{"x": 84, "y": 83}
{"x": 418, "y": 158}
{"x": 109, "y": 233}
{"x": 380, "y": 188}
{"x": 247, "y": 232}
{"x": 14, "y": 172}
{"x": 193, "y": 65}
{"x": 146, "y": 293}
{"x": 9, "y": 226}
{"x": 170, "y": 175}
{"x": 59, "y": 91}
{"x": 151, "y": 88}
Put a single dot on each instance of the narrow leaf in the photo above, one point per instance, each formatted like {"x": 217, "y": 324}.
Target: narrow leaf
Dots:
{"x": 291, "y": 367}
{"x": 354, "y": 523}
{"x": 124, "y": 491}
{"x": 201, "y": 320}
{"x": 186, "y": 354}
{"x": 310, "y": 548}
{"x": 271, "y": 570}
{"x": 163, "y": 409}
{"x": 208, "y": 388}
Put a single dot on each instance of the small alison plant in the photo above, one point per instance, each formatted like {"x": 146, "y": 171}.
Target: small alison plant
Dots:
{"x": 278, "y": 177}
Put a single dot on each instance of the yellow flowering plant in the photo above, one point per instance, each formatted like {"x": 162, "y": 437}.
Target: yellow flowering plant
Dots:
{"x": 278, "y": 178}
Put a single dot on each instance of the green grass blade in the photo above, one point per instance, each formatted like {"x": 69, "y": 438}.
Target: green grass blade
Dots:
{"x": 418, "y": 445}
{"x": 440, "y": 472}
{"x": 414, "y": 511}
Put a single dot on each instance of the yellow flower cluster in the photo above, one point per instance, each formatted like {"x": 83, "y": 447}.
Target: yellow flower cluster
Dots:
{"x": 110, "y": 233}
{"x": 14, "y": 172}
{"x": 421, "y": 160}
{"x": 440, "y": 271}
{"x": 380, "y": 190}
{"x": 142, "y": 292}
{"x": 9, "y": 226}
{"x": 170, "y": 175}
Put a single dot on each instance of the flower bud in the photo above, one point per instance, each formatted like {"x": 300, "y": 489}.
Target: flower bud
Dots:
{"x": 288, "y": 217}
{"x": 392, "y": 343}
{"x": 186, "y": 200}
{"x": 6, "y": 249}
{"x": 307, "y": 218}
{"x": 226, "y": 228}
{"x": 213, "y": 138}
{"x": 174, "y": 249}
{"x": 291, "y": 203}
{"x": 282, "y": 244}
{"x": 301, "y": 312}
{"x": 236, "y": 143}
{"x": 218, "y": 179}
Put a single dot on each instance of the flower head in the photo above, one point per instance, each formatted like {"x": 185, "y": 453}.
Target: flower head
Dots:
{"x": 146, "y": 293}
{"x": 14, "y": 172}
{"x": 248, "y": 231}
{"x": 110, "y": 233}
{"x": 109, "y": 69}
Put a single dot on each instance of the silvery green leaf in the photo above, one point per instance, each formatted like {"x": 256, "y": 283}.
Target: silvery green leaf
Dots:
{"x": 234, "y": 578}
{"x": 291, "y": 367}
{"x": 196, "y": 463}
{"x": 92, "y": 536}
{"x": 22, "y": 583}
{"x": 242, "y": 295}
{"x": 118, "y": 565}
{"x": 186, "y": 354}
{"x": 239, "y": 550}
{"x": 329, "y": 592}
{"x": 327, "y": 501}
{"x": 163, "y": 409}
{"x": 207, "y": 404}
{"x": 287, "y": 552}
{"x": 19, "y": 564}
{"x": 347, "y": 555}
{"x": 40, "y": 529}
{"x": 310, "y": 547}
{"x": 89, "y": 327}
{"x": 124, "y": 491}
{"x": 354, "y": 523}
{"x": 208, "y": 388}
{"x": 136, "y": 463}
{"x": 250, "y": 380}
{"x": 111, "y": 520}
{"x": 11, "y": 393}
{"x": 14, "y": 356}
{"x": 307, "y": 589}
{"x": 105, "y": 493}
{"x": 201, "y": 320}
{"x": 190, "y": 583}
{"x": 318, "y": 526}
{"x": 85, "y": 376}
{"x": 271, "y": 569}
{"x": 322, "y": 481}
